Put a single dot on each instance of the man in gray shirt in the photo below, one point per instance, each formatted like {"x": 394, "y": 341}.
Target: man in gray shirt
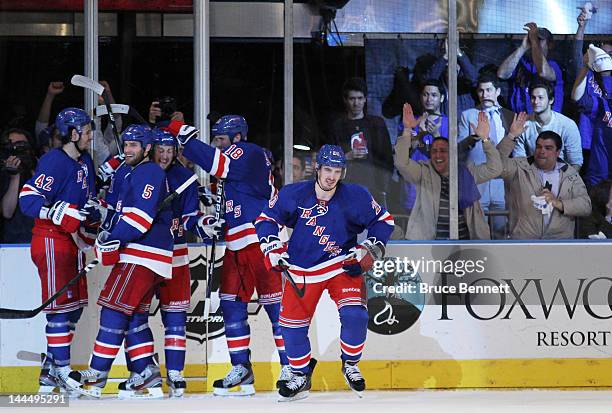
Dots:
{"x": 542, "y": 119}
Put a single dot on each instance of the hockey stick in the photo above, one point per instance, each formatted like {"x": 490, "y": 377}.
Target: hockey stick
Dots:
{"x": 10, "y": 313}
{"x": 122, "y": 109}
{"x": 98, "y": 89}
{"x": 211, "y": 262}
{"x": 299, "y": 291}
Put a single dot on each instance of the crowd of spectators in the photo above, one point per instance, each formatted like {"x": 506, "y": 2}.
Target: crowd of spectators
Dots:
{"x": 521, "y": 160}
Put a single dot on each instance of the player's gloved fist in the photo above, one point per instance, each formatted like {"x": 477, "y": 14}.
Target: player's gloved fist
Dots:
{"x": 106, "y": 251}
{"x": 209, "y": 227}
{"x": 275, "y": 252}
{"x": 185, "y": 133}
{"x": 360, "y": 259}
{"x": 96, "y": 210}
{"x": 66, "y": 215}
{"x": 206, "y": 197}
{"x": 108, "y": 168}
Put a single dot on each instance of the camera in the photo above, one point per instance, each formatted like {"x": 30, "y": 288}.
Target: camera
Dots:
{"x": 21, "y": 150}
{"x": 167, "y": 105}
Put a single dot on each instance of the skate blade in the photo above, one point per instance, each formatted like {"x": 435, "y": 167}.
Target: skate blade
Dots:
{"x": 176, "y": 393}
{"x": 148, "y": 393}
{"x": 46, "y": 389}
{"x": 358, "y": 393}
{"x": 88, "y": 391}
{"x": 299, "y": 396}
{"x": 241, "y": 390}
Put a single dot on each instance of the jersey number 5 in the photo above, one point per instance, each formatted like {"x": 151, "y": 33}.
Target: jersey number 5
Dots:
{"x": 148, "y": 191}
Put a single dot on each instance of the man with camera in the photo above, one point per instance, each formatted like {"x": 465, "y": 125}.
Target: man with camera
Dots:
{"x": 17, "y": 163}
{"x": 163, "y": 110}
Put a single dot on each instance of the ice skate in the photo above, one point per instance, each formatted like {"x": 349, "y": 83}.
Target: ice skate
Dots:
{"x": 285, "y": 375}
{"x": 88, "y": 382}
{"x": 176, "y": 383}
{"x": 298, "y": 387}
{"x": 47, "y": 380}
{"x": 238, "y": 382}
{"x": 146, "y": 385}
{"x": 353, "y": 377}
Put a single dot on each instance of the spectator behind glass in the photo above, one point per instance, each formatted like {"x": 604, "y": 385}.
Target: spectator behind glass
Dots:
{"x": 365, "y": 141}
{"x": 432, "y": 124}
{"x": 592, "y": 92}
{"x": 18, "y": 163}
{"x": 164, "y": 110}
{"x": 432, "y": 182}
{"x": 492, "y": 192}
{"x": 466, "y": 78}
{"x": 599, "y": 224}
{"x": 544, "y": 194}
{"x": 544, "y": 118}
{"x": 522, "y": 71}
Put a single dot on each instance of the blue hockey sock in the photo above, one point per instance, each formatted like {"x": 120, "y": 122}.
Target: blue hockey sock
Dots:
{"x": 273, "y": 311}
{"x": 237, "y": 330}
{"x": 175, "y": 339}
{"x": 59, "y": 337}
{"x": 113, "y": 325}
{"x": 139, "y": 342}
{"x": 297, "y": 345}
{"x": 354, "y": 321}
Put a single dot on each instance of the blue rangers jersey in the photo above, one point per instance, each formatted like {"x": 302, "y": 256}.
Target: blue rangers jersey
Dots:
{"x": 144, "y": 232}
{"x": 185, "y": 210}
{"x": 323, "y": 231}
{"x": 248, "y": 185}
{"x": 58, "y": 177}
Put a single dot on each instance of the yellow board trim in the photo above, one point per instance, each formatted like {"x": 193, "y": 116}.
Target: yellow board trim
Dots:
{"x": 400, "y": 374}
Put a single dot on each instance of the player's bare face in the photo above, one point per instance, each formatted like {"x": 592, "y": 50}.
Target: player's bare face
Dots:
{"x": 85, "y": 139}
{"x": 439, "y": 156}
{"x": 221, "y": 141}
{"x": 329, "y": 177}
{"x": 134, "y": 152}
{"x": 164, "y": 155}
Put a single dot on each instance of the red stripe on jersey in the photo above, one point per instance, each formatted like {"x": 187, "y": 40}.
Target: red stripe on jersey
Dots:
{"x": 102, "y": 349}
{"x": 220, "y": 165}
{"x": 181, "y": 252}
{"x": 240, "y": 234}
{"x": 262, "y": 218}
{"x": 142, "y": 221}
{"x": 279, "y": 342}
{"x": 321, "y": 271}
{"x": 146, "y": 254}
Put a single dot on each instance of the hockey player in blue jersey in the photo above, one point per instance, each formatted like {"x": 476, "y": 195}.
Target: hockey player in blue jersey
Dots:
{"x": 56, "y": 196}
{"x": 139, "y": 247}
{"x": 323, "y": 254}
{"x": 248, "y": 188}
{"x": 175, "y": 293}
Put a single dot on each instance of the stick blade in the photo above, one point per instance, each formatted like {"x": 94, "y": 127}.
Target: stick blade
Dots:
{"x": 13, "y": 314}
{"x": 87, "y": 83}
{"x": 115, "y": 107}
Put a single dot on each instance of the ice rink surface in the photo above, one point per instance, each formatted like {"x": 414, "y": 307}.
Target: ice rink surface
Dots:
{"x": 516, "y": 401}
